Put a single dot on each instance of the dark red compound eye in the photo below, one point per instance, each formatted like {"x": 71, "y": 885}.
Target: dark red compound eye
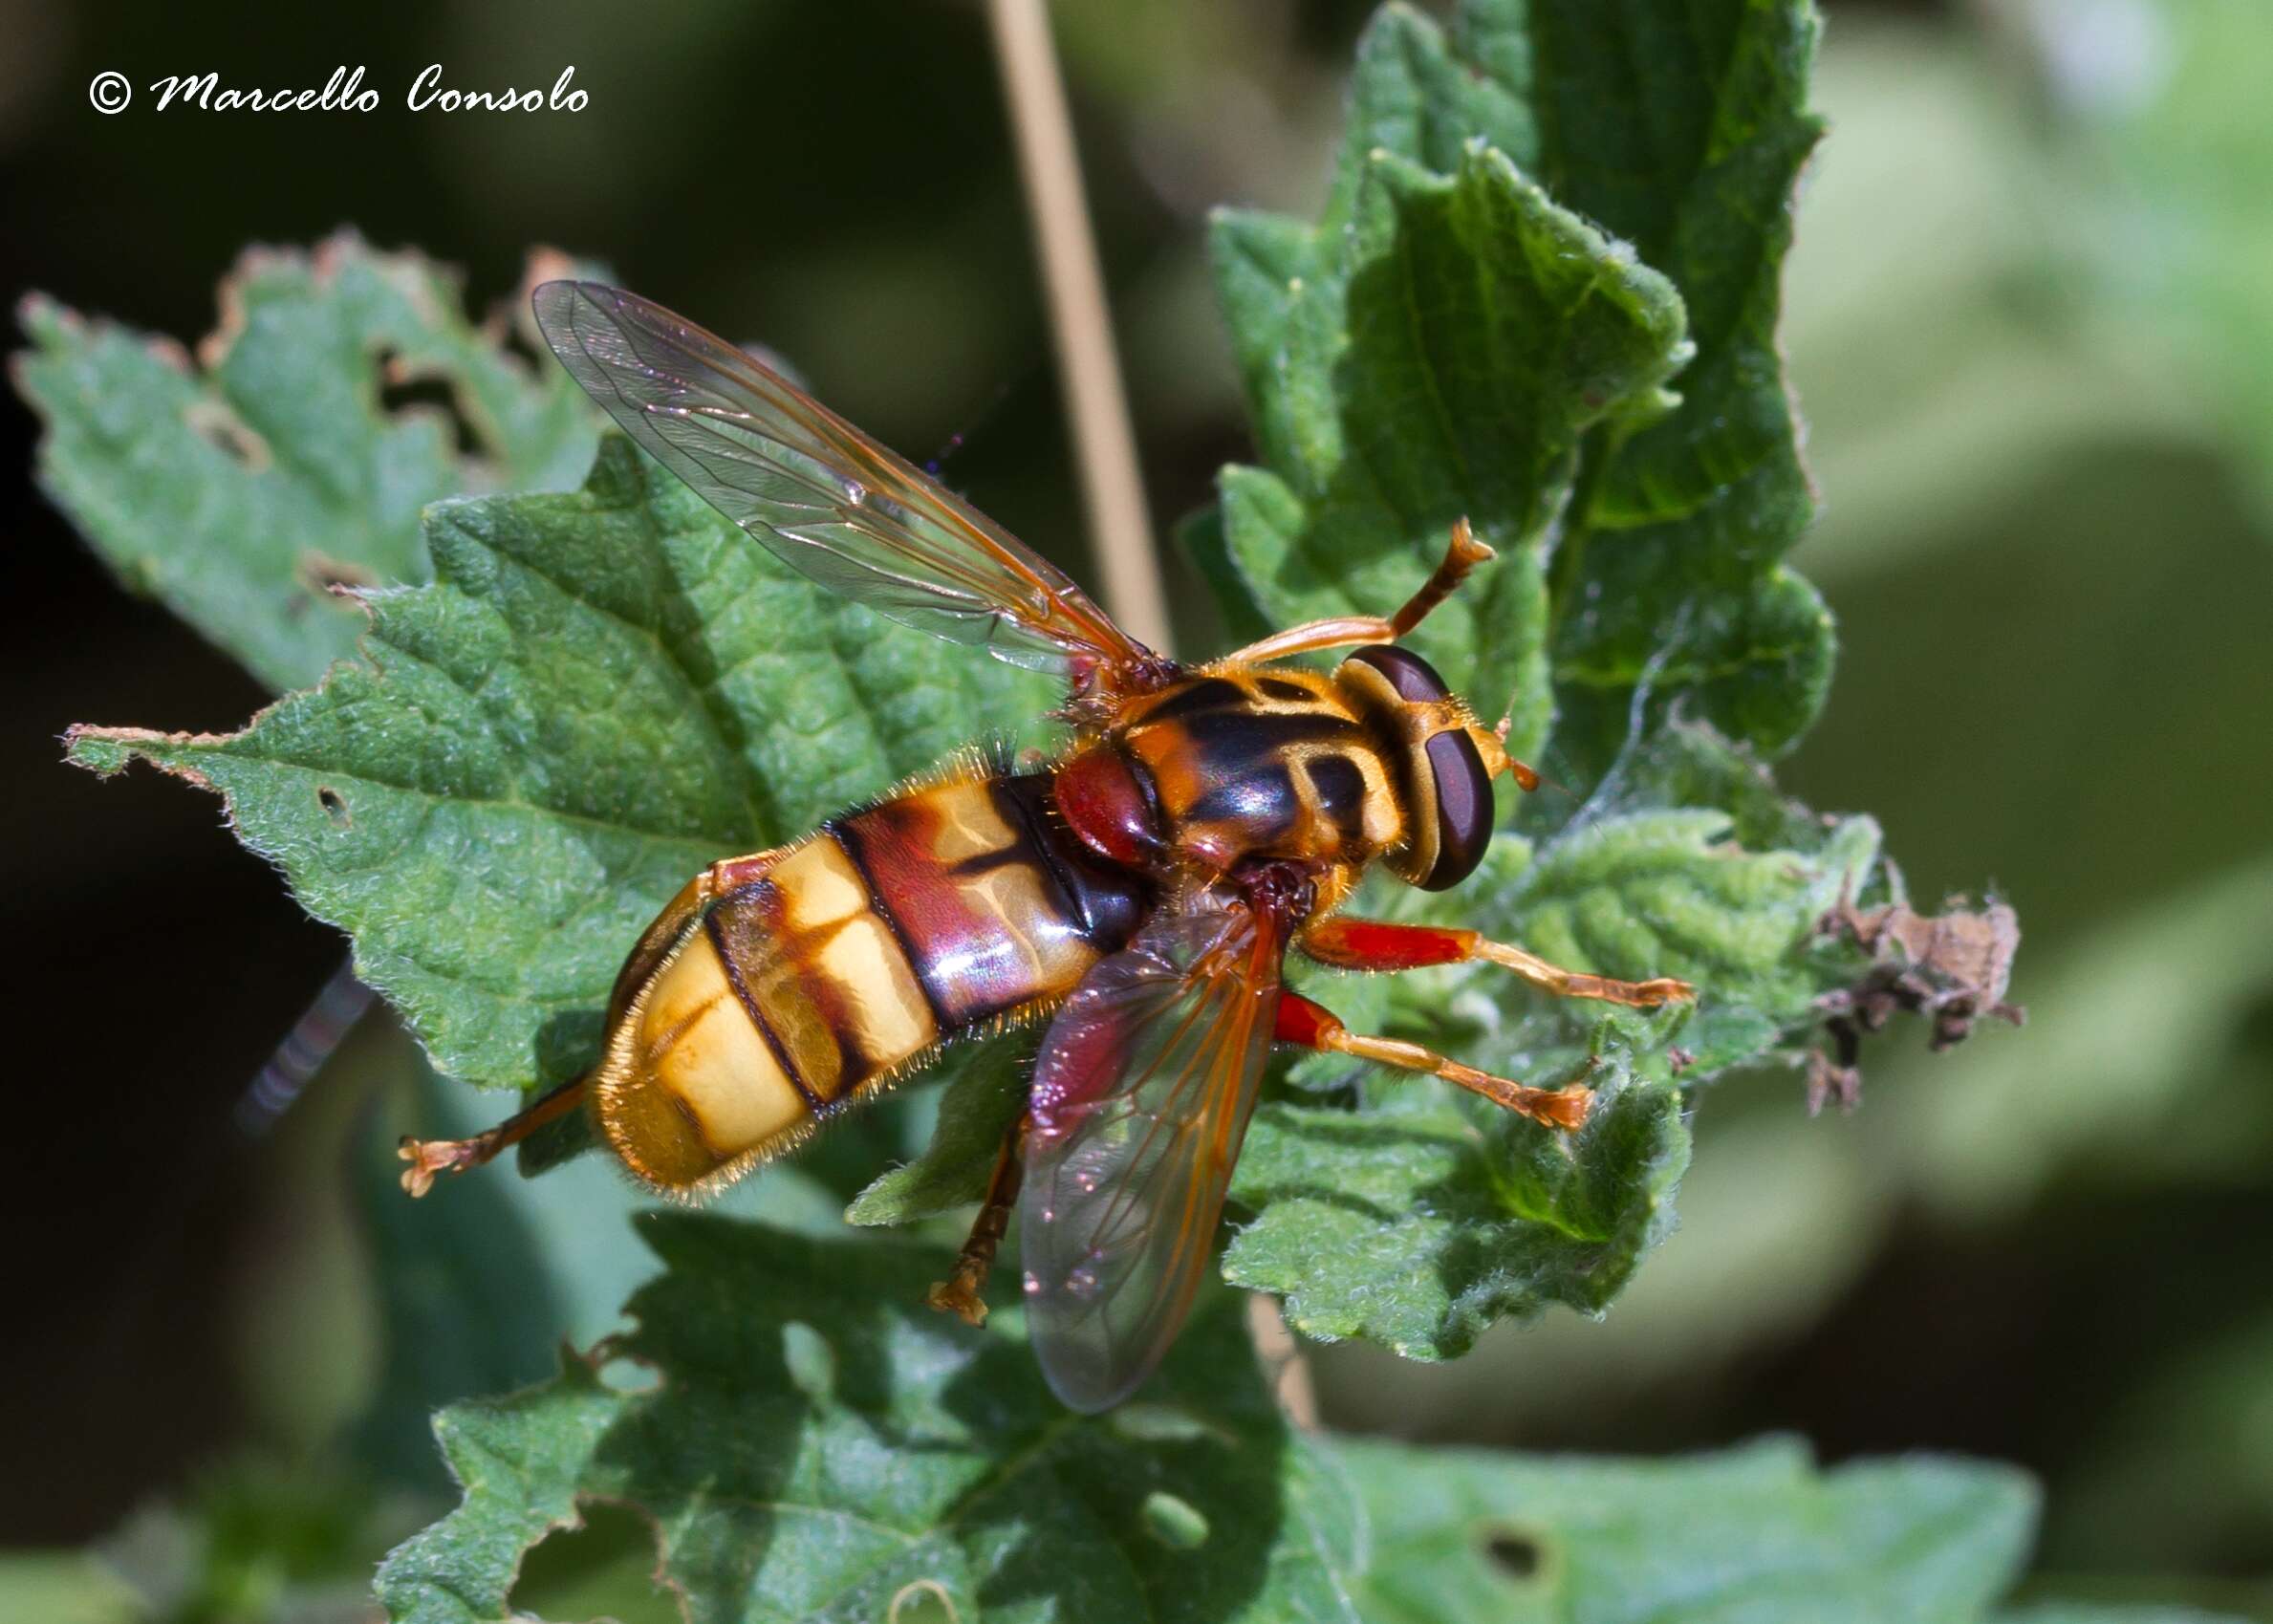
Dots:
{"x": 1411, "y": 675}
{"x": 1464, "y": 809}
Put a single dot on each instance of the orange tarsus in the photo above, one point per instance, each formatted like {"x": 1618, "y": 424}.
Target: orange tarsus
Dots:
{"x": 1311, "y": 1025}
{"x": 430, "y": 1156}
{"x": 959, "y": 1294}
{"x": 959, "y": 1297}
{"x": 1461, "y": 555}
{"x": 1350, "y": 631}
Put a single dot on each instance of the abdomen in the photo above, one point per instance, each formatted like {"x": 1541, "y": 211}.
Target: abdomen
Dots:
{"x": 955, "y": 906}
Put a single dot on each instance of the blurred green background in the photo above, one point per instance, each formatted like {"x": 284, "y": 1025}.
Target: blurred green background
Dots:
{"x": 2030, "y": 320}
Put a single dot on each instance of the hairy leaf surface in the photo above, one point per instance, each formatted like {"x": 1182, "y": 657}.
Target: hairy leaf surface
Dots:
{"x": 819, "y": 1443}
{"x": 1636, "y": 460}
{"x": 600, "y": 694}
{"x": 1655, "y": 143}
{"x": 806, "y": 1442}
{"x": 1437, "y": 357}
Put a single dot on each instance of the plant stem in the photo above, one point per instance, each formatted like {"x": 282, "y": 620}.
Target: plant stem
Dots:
{"x": 1105, "y": 445}
{"x": 1284, "y": 1364}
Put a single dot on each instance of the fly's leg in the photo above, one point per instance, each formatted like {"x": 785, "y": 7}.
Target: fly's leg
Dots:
{"x": 428, "y": 1157}
{"x": 1374, "y": 944}
{"x": 1312, "y": 1026}
{"x": 1346, "y": 631}
{"x": 1461, "y": 554}
{"x": 959, "y": 1294}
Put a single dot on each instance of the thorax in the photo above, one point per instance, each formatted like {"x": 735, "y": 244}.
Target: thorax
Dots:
{"x": 1262, "y": 763}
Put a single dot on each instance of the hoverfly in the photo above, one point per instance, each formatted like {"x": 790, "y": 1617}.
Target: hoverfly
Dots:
{"x": 1139, "y": 893}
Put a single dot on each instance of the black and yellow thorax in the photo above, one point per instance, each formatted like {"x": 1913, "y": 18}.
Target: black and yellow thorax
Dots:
{"x": 1257, "y": 763}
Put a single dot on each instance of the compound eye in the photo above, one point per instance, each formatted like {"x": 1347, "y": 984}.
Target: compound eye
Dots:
{"x": 1464, "y": 809}
{"x": 1412, "y": 678}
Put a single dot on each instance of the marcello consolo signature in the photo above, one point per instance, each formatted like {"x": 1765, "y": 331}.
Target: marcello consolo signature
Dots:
{"x": 345, "y": 92}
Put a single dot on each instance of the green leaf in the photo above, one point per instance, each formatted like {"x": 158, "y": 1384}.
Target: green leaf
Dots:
{"x": 1669, "y": 518}
{"x": 1436, "y": 357}
{"x": 1404, "y": 363}
{"x": 789, "y": 1435}
{"x": 1757, "y": 1534}
{"x": 976, "y": 1111}
{"x": 1673, "y": 553}
{"x": 817, "y": 1443}
{"x": 474, "y": 1294}
{"x": 1419, "y": 1223}
{"x": 239, "y": 489}
{"x": 600, "y": 694}
{"x": 1669, "y": 893}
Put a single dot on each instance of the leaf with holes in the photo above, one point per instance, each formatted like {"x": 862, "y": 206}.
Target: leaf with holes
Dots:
{"x": 1759, "y": 1534}
{"x": 239, "y": 488}
{"x": 600, "y": 694}
{"x": 818, "y": 1443}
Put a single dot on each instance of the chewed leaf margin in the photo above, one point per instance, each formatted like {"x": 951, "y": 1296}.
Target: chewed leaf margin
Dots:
{"x": 290, "y": 453}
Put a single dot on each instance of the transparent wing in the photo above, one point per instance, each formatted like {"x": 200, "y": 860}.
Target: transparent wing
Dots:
{"x": 1140, "y": 1099}
{"x": 821, "y": 495}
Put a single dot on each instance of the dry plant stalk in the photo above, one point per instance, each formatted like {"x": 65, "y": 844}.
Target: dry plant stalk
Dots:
{"x": 1104, "y": 444}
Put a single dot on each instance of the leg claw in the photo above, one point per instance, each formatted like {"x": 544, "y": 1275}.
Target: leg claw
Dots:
{"x": 430, "y": 1156}
{"x": 1557, "y": 1107}
{"x": 957, "y": 1297}
{"x": 1560, "y": 1108}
